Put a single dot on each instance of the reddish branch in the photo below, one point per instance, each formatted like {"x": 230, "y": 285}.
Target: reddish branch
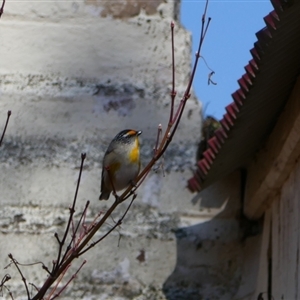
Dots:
{"x": 67, "y": 252}
{"x": 68, "y": 282}
{"x": 61, "y": 243}
{"x": 173, "y": 92}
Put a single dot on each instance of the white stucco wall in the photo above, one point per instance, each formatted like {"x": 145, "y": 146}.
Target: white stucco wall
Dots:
{"x": 74, "y": 74}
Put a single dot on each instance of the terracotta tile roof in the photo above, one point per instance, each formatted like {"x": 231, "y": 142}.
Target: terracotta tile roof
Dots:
{"x": 264, "y": 89}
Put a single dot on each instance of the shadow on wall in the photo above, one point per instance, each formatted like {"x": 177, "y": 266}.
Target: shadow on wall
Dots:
{"x": 208, "y": 262}
{"x": 211, "y": 255}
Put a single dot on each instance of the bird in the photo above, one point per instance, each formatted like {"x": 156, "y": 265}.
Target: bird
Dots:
{"x": 209, "y": 126}
{"x": 121, "y": 163}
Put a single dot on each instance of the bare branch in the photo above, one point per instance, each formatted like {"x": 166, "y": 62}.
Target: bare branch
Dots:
{"x": 68, "y": 282}
{"x": 158, "y": 141}
{"x": 72, "y": 211}
{"x": 173, "y": 92}
{"x": 21, "y": 274}
{"x": 118, "y": 223}
{"x": 32, "y": 284}
{"x": 159, "y": 132}
{"x": 5, "y": 279}
{"x": 82, "y": 217}
{"x": 8, "y": 116}
{"x": 64, "y": 271}
{"x": 2, "y": 8}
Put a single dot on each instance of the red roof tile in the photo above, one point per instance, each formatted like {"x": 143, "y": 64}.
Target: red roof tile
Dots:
{"x": 264, "y": 89}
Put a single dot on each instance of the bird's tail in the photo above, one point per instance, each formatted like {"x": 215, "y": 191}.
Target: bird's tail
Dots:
{"x": 104, "y": 195}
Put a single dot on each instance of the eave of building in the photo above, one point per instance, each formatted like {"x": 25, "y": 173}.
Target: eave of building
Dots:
{"x": 264, "y": 90}
{"x": 275, "y": 161}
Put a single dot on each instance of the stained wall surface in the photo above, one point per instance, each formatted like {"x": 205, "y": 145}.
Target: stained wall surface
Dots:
{"x": 74, "y": 74}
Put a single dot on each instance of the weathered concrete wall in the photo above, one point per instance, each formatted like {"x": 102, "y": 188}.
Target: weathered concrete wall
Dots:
{"x": 273, "y": 190}
{"x": 279, "y": 258}
{"x": 74, "y": 74}
{"x": 217, "y": 252}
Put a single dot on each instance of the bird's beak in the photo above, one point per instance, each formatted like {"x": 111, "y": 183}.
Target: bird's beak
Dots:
{"x": 139, "y": 132}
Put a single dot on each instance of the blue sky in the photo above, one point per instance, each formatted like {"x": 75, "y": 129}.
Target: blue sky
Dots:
{"x": 230, "y": 37}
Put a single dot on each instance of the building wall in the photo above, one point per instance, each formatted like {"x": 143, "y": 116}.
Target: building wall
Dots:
{"x": 216, "y": 258}
{"x": 285, "y": 239}
{"x": 74, "y": 74}
{"x": 279, "y": 266}
{"x": 273, "y": 192}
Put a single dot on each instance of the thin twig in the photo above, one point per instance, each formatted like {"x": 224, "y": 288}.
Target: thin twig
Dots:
{"x": 9, "y": 292}
{"x": 57, "y": 238}
{"x": 61, "y": 276}
{"x": 82, "y": 217}
{"x": 72, "y": 211}
{"x": 6, "y": 278}
{"x": 206, "y": 28}
{"x": 87, "y": 229}
{"x": 159, "y": 132}
{"x": 8, "y": 113}
{"x": 75, "y": 229}
{"x": 32, "y": 284}
{"x": 31, "y": 264}
{"x": 118, "y": 223}
{"x": 66, "y": 254}
{"x": 173, "y": 92}
{"x": 158, "y": 140}
{"x": 207, "y": 66}
{"x": 2, "y": 8}
{"x": 68, "y": 282}
{"x": 21, "y": 274}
